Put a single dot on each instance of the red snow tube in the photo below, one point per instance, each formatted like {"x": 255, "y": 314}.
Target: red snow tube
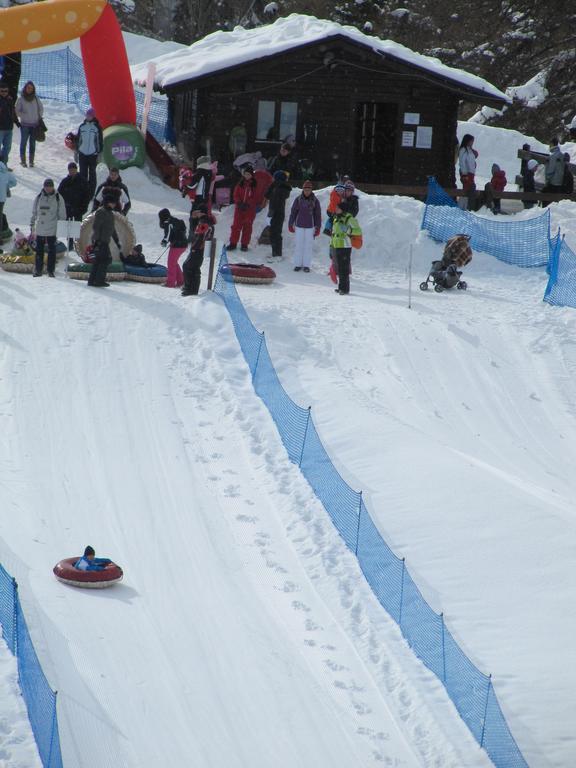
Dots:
{"x": 67, "y": 574}
{"x": 248, "y": 273}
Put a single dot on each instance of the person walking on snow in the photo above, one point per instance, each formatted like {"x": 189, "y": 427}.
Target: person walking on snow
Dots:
{"x": 48, "y": 209}
{"x": 305, "y": 222}
{"x": 346, "y": 233}
{"x": 175, "y": 237}
{"x": 29, "y": 111}
{"x": 90, "y": 143}
{"x": 103, "y": 229}
{"x": 245, "y": 211}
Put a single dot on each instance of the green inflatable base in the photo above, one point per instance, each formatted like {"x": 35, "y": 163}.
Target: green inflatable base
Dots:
{"x": 123, "y": 146}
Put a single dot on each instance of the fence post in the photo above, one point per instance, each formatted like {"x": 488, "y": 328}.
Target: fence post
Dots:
{"x": 15, "y": 619}
{"x": 212, "y": 260}
{"x": 402, "y": 591}
{"x": 67, "y": 74}
{"x": 443, "y": 651}
{"x": 485, "y": 710}
{"x": 358, "y": 528}
{"x": 53, "y": 730}
{"x": 257, "y": 356}
{"x": 304, "y": 438}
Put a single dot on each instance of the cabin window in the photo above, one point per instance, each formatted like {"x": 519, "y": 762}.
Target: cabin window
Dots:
{"x": 276, "y": 120}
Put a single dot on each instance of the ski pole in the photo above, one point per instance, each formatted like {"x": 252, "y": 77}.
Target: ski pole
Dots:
{"x": 162, "y": 254}
{"x": 410, "y": 279}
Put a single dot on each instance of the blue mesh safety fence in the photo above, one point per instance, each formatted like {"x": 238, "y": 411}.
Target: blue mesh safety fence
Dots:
{"x": 60, "y": 75}
{"x": 425, "y": 631}
{"x": 561, "y": 288}
{"x": 39, "y": 698}
{"x": 522, "y": 243}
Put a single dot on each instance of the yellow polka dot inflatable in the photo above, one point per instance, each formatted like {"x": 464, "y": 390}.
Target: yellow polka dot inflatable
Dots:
{"x": 46, "y": 23}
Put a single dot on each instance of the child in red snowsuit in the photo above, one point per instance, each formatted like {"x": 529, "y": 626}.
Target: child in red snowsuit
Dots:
{"x": 496, "y": 184}
{"x": 245, "y": 197}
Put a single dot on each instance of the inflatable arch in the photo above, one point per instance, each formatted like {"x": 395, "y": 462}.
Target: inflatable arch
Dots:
{"x": 105, "y": 61}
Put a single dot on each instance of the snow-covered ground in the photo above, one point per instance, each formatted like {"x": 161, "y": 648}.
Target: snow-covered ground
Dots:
{"x": 244, "y": 633}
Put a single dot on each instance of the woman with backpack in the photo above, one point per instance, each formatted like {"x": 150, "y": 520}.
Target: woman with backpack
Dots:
{"x": 175, "y": 237}
{"x": 29, "y": 110}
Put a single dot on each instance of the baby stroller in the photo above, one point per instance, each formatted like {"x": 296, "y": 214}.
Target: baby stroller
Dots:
{"x": 444, "y": 274}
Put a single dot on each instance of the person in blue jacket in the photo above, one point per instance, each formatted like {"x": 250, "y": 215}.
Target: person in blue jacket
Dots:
{"x": 88, "y": 562}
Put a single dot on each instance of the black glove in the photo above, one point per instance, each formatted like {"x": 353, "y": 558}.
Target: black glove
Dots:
{"x": 164, "y": 242}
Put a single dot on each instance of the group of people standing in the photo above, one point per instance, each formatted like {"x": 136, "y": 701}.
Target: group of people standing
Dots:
{"x": 558, "y": 175}
{"x": 304, "y": 221}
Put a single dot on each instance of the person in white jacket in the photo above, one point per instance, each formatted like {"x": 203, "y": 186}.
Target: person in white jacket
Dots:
{"x": 49, "y": 208}
{"x": 467, "y": 161}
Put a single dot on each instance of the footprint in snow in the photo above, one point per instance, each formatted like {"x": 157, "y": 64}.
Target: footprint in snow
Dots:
{"x": 247, "y": 518}
{"x": 299, "y": 606}
{"x": 533, "y": 396}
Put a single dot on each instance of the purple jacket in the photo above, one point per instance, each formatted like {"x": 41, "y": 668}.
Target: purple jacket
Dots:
{"x": 305, "y": 213}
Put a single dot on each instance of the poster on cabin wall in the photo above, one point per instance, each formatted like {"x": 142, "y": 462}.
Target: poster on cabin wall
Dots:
{"x": 424, "y": 137}
{"x": 407, "y": 138}
{"x": 411, "y": 118}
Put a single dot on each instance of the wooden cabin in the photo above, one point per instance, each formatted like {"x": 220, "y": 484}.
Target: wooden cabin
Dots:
{"x": 380, "y": 116}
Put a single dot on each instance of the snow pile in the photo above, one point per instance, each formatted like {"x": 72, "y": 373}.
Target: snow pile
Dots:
{"x": 222, "y": 50}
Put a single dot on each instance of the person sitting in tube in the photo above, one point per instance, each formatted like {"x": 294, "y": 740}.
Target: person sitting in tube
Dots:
{"x": 89, "y": 561}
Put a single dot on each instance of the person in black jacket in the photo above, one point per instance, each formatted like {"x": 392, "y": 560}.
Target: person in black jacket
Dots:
{"x": 114, "y": 181}
{"x": 103, "y": 230}
{"x": 203, "y": 231}
{"x": 174, "y": 236}
{"x": 350, "y": 202}
{"x": 568, "y": 181}
{"x": 277, "y": 194}
{"x": 74, "y": 190}
{"x": 7, "y": 120}
{"x": 285, "y": 161}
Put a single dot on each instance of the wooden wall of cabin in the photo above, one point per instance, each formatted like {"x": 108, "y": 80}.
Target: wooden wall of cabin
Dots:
{"x": 334, "y": 85}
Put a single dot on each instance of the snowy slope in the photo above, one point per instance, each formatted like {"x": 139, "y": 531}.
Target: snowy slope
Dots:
{"x": 244, "y": 634}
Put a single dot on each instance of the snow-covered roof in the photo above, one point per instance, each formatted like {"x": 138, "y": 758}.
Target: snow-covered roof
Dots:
{"x": 222, "y": 50}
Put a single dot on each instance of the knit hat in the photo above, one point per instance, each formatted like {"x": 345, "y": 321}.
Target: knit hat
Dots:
{"x": 532, "y": 164}
{"x": 48, "y": 183}
{"x": 72, "y": 164}
{"x": 307, "y": 184}
{"x": 90, "y": 112}
{"x": 349, "y": 185}
{"x": 164, "y": 214}
{"x": 340, "y": 188}
{"x": 280, "y": 176}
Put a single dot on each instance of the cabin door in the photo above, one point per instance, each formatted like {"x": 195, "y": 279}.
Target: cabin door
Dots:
{"x": 375, "y": 142}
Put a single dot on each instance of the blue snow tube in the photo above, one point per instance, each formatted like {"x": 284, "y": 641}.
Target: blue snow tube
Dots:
{"x": 156, "y": 273}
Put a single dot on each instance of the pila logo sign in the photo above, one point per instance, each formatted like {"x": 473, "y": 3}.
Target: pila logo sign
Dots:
{"x": 123, "y": 150}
